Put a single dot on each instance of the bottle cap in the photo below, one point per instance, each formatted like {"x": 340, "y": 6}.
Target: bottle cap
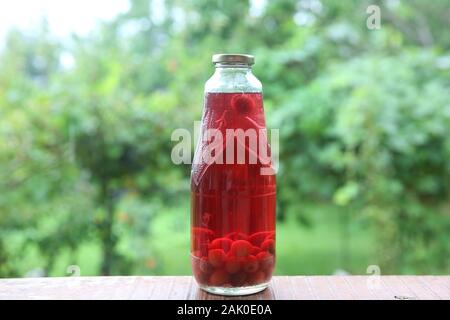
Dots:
{"x": 233, "y": 59}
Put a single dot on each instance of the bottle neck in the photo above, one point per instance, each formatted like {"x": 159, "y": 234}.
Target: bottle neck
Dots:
{"x": 233, "y": 78}
{"x": 235, "y": 71}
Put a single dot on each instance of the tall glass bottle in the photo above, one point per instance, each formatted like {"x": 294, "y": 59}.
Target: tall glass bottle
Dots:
{"x": 233, "y": 184}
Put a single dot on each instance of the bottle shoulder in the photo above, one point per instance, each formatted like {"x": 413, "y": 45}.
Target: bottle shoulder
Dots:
{"x": 233, "y": 82}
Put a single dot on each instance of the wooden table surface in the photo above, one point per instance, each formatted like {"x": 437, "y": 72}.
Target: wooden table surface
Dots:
{"x": 185, "y": 288}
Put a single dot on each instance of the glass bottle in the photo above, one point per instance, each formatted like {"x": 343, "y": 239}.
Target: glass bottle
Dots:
{"x": 233, "y": 184}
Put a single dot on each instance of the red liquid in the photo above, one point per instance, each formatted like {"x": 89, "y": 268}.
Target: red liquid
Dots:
{"x": 233, "y": 205}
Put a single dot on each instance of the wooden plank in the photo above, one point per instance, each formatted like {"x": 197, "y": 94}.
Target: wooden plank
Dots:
{"x": 163, "y": 287}
{"x": 194, "y": 291}
{"x": 89, "y": 288}
{"x": 105, "y": 288}
{"x": 419, "y": 288}
{"x": 282, "y": 289}
{"x": 185, "y": 288}
{"x": 142, "y": 289}
{"x": 301, "y": 288}
{"x": 180, "y": 288}
{"x": 321, "y": 288}
{"x": 398, "y": 288}
{"x": 364, "y": 288}
{"x": 341, "y": 287}
{"x": 439, "y": 285}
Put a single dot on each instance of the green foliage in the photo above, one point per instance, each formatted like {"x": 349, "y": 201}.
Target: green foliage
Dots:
{"x": 364, "y": 120}
{"x": 380, "y": 127}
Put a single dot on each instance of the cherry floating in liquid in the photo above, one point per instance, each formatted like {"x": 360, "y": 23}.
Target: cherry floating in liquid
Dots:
{"x": 251, "y": 264}
{"x": 216, "y": 257}
{"x": 221, "y": 243}
{"x": 233, "y": 264}
{"x": 242, "y": 104}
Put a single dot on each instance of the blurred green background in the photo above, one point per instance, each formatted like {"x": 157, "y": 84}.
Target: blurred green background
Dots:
{"x": 86, "y": 176}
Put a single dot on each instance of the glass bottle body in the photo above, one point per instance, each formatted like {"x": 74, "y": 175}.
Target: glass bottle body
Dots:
{"x": 233, "y": 199}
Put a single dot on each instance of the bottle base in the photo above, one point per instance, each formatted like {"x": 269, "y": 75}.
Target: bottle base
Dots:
{"x": 236, "y": 291}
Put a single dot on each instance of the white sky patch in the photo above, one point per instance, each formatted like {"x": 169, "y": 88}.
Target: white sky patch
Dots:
{"x": 158, "y": 12}
{"x": 257, "y": 7}
{"x": 64, "y": 16}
